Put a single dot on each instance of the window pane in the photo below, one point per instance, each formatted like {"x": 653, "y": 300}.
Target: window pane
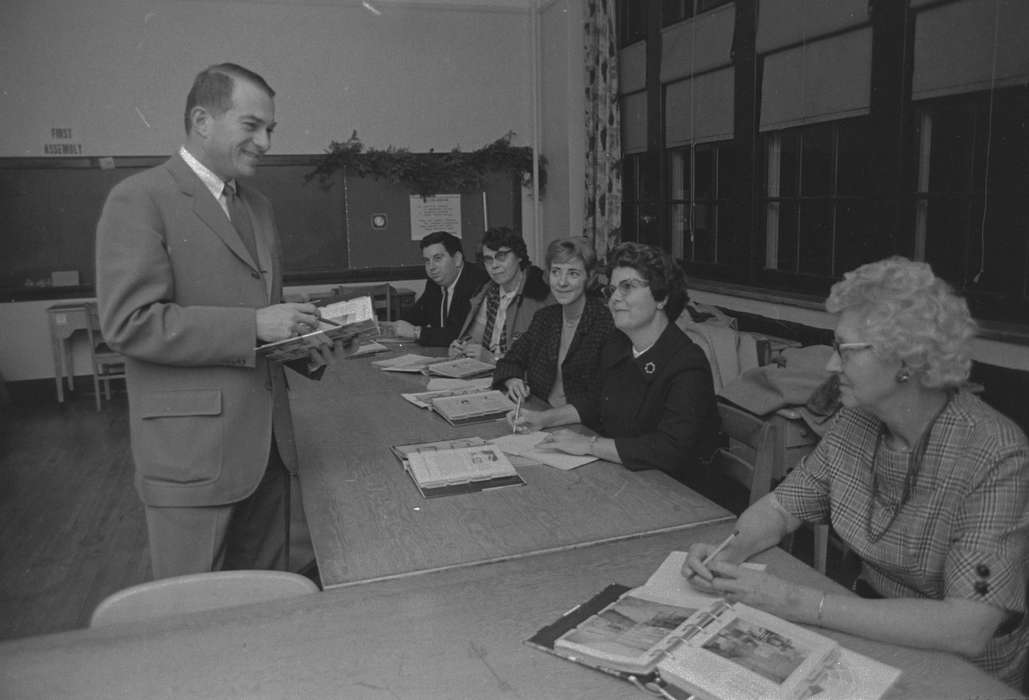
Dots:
{"x": 815, "y": 237}
{"x": 950, "y": 165}
{"x": 789, "y": 164}
{"x": 852, "y": 159}
{"x": 677, "y": 224}
{"x": 673, "y": 10}
{"x": 704, "y": 173}
{"x": 703, "y": 233}
{"x": 817, "y": 167}
{"x": 854, "y": 243}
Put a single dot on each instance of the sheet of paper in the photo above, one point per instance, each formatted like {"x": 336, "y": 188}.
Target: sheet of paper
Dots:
{"x": 441, "y": 383}
{"x": 404, "y": 363}
{"x": 524, "y": 445}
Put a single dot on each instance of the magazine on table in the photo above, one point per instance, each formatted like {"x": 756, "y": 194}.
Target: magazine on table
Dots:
{"x": 666, "y": 635}
{"x": 457, "y": 466}
{"x": 473, "y": 407}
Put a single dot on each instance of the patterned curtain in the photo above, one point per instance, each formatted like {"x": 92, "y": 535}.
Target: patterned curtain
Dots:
{"x": 603, "y": 220}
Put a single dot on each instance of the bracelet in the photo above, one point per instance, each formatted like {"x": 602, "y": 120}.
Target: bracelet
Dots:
{"x": 821, "y": 606}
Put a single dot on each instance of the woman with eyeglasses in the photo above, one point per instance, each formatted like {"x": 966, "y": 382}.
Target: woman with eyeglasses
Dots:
{"x": 556, "y": 360}
{"x": 503, "y": 308}
{"x": 924, "y": 482}
{"x": 655, "y": 408}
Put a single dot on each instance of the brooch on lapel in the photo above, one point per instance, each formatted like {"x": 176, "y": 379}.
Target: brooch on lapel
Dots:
{"x": 649, "y": 368}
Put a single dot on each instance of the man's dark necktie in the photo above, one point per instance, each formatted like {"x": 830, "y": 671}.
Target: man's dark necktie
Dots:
{"x": 443, "y": 308}
{"x": 241, "y": 220}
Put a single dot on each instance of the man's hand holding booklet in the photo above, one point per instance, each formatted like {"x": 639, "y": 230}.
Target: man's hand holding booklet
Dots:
{"x": 342, "y": 325}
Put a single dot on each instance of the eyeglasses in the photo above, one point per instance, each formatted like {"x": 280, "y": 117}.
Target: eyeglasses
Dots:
{"x": 623, "y": 288}
{"x": 844, "y": 350}
{"x": 501, "y": 257}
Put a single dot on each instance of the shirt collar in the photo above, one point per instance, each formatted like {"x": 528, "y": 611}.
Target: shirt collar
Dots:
{"x": 211, "y": 181}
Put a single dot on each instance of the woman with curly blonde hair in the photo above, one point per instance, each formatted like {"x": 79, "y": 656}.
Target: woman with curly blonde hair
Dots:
{"x": 927, "y": 484}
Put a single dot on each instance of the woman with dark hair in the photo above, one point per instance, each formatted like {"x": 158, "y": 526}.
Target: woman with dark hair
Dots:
{"x": 924, "y": 482}
{"x": 557, "y": 358}
{"x": 656, "y": 404}
{"x": 503, "y": 308}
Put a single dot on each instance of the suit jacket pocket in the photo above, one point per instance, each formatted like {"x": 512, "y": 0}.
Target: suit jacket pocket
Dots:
{"x": 180, "y": 437}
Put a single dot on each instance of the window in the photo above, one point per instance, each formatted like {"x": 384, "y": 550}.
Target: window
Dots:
{"x": 673, "y": 11}
{"x": 632, "y": 21}
{"x": 971, "y": 222}
{"x": 639, "y": 199}
{"x": 700, "y": 181}
{"x": 816, "y": 209}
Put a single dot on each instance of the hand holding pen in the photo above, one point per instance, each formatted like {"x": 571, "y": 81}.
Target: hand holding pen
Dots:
{"x": 691, "y": 572}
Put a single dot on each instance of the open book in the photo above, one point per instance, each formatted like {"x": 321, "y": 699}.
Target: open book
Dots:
{"x": 456, "y": 466}
{"x": 343, "y": 321}
{"x": 472, "y": 407}
{"x": 665, "y": 634}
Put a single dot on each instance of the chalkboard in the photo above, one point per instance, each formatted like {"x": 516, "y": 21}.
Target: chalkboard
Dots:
{"x": 49, "y": 209}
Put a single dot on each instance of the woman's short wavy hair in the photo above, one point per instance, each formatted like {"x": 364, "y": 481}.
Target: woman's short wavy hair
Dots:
{"x": 505, "y": 236}
{"x": 912, "y": 315}
{"x": 665, "y": 275}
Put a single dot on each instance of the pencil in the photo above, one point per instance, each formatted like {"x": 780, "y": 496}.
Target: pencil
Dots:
{"x": 514, "y": 423}
{"x": 716, "y": 551}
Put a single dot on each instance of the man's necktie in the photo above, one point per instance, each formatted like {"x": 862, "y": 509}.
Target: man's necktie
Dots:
{"x": 443, "y": 308}
{"x": 241, "y": 220}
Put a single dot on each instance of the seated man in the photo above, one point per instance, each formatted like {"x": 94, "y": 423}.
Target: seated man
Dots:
{"x": 437, "y": 316}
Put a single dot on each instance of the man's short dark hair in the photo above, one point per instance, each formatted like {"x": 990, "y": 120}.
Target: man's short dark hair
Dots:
{"x": 212, "y": 88}
{"x": 506, "y": 237}
{"x": 449, "y": 241}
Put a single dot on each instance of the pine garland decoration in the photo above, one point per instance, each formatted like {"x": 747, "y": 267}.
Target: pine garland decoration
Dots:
{"x": 429, "y": 173}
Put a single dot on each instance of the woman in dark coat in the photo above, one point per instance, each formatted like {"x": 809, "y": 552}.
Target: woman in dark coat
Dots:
{"x": 656, "y": 405}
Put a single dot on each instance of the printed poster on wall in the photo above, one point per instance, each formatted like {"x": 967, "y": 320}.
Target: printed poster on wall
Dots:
{"x": 440, "y": 212}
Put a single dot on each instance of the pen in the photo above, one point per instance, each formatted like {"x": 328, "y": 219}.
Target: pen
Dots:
{"x": 717, "y": 550}
{"x": 514, "y": 423}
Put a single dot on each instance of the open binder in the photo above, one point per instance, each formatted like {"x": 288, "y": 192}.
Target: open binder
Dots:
{"x": 458, "y": 466}
{"x": 694, "y": 644}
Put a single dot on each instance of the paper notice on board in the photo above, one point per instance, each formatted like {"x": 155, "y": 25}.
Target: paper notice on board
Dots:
{"x": 440, "y": 212}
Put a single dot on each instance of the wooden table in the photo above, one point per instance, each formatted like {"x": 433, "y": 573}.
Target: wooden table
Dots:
{"x": 368, "y": 521}
{"x": 64, "y": 320}
{"x": 457, "y": 633}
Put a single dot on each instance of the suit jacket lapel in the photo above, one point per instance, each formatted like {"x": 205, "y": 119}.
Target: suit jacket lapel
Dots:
{"x": 208, "y": 210}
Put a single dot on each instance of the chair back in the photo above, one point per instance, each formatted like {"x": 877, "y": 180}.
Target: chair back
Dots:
{"x": 749, "y": 456}
{"x": 198, "y": 592}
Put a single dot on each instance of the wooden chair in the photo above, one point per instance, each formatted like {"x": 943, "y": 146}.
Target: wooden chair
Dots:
{"x": 198, "y": 592}
{"x": 383, "y": 297}
{"x": 107, "y": 365}
{"x": 754, "y": 459}
{"x": 748, "y": 458}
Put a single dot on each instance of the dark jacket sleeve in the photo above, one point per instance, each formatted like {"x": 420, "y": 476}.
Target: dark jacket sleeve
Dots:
{"x": 515, "y": 362}
{"x": 685, "y": 428}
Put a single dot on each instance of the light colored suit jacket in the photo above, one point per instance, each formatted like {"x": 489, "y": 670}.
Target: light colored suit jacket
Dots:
{"x": 177, "y": 293}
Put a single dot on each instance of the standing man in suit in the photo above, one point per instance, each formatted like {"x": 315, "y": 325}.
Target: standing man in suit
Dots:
{"x": 436, "y": 318}
{"x": 189, "y": 282}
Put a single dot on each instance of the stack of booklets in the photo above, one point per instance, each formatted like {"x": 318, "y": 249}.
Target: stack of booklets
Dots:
{"x": 344, "y": 321}
{"x": 461, "y": 368}
{"x": 423, "y": 399}
{"x": 409, "y": 362}
{"x": 670, "y": 639}
{"x": 473, "y": 407}
{"x": 456, "y": 466}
